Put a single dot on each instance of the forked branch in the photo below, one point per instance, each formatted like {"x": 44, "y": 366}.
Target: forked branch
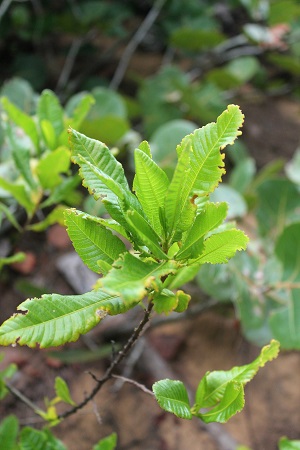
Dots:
{"x": 115, "y": 362}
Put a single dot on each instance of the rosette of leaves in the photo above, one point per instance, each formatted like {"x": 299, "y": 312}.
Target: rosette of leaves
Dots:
{"x": 172, "y": 228}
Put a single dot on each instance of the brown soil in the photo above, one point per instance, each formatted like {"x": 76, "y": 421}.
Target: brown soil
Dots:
{"x": 186, "y": 350}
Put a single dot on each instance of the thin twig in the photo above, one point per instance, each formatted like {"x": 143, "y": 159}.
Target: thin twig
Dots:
{"x": 134, "y": 42}
{"x": 116, "y": 361}
{"x": 130, "y": 363}
{"x": 135, "y": 383}
{"x": 22, "y": 397}
{"x": 71, "y": 58}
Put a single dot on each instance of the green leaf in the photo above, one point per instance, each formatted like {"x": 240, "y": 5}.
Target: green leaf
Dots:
{"x": 165, "y": 302}
{"x": 19, "y": 192}
{"x": 104, "y": 176}
{"x": 51, "y": 165}
{"x": 48, "y": 134}
{"x": 6, "y": 373}
{"x": 21, "y": 157}
{"x": 196, "y": 39}
{"x": 177, "y": 211}
{"x": 172, "y": 396}
{"x": 146, "y": 234}
{"x": 39, "y": 440}
{"x": 150, "y": 185}
{"x": 212, "y": 387}
{"x": 209, "y": 218}
{"x": 20, "y": 93}
{"x": 182, "y": 276}
{"x": 286, "y": 444}
{"x": 131, "y": 278}
{"x": 108, "y": 443}
{"x": 231, "y": 403}
{"x": 91, "y": 240}
{"x": 61, "y": 192}
{"x": 50, "y": 110}
{"x": 108, "y": 129}
{"x": 56, "y": 319}
{"x": 183, "y": 301}
{"x": 99, "y": 168}
{"x": 220, "y": 247}
{"x": 62, "y": 391}
{"x": 10, "y": 217}
{"x": 242, "y": 175}
{"x": 9, "y": 428}
{"x": 278, "y": 199}
{"x": 200, "y": 165}
{"x": 285, "y": 321}
{"x": 22, "y": 120}
{"x": 78, "y": 107}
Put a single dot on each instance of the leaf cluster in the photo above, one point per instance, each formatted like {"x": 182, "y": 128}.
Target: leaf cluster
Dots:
{"x": 35, "y": 161}
{"x": 170, "y": 227}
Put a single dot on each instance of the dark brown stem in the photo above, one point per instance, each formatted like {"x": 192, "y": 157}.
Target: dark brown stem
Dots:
{"x": 115, "y": 362}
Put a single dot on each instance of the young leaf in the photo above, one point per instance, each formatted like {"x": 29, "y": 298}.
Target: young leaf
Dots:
{"x": 50, "y": 110}
{"x": 200, "y": 163}
{"x": 48, "y": 134}
{"x": 21, "y": 156}
{"x": 91, "y": 240}
{"x": 176, "y": 207}
{"x": 39, "y": 440}
{"x": 141, "y": 228}
{"x": 182, "y": 276}
{"x": 56, "y": 319}
{"x": 102, "y": 174}
{"x": 284, "y": 321}
{"x": 22, "y": 120}
{"x": 209, "y": 218}
{"x": 19, "y": 192}
{"x": 150, "y": 185}
{"x": 172, "y": 396}
{"x": 81, "y": 110}
{"x": 212, "y": 387}
{"x": 231, "y": 403}
{"x": 167, "y": 301}
{"x": 62, "y": 391}
{"x": 131, "y": 277}
{"x": 220, "y": 247}
{"x": 98, "y": 155}
{"x": 108, "y": 443}
{"x": 286, "y": 444}
{"x": 51, "y": 165}
{"x": 8, "y": 432}
{"x": 10, "y": 217}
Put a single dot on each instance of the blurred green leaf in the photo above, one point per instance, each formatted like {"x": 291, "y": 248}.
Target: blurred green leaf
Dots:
{"x": 196, "y": 39}
{"x": 9, "y": 428}
{"x": 62, "y": 391}
{"x": 108, "y": 443}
